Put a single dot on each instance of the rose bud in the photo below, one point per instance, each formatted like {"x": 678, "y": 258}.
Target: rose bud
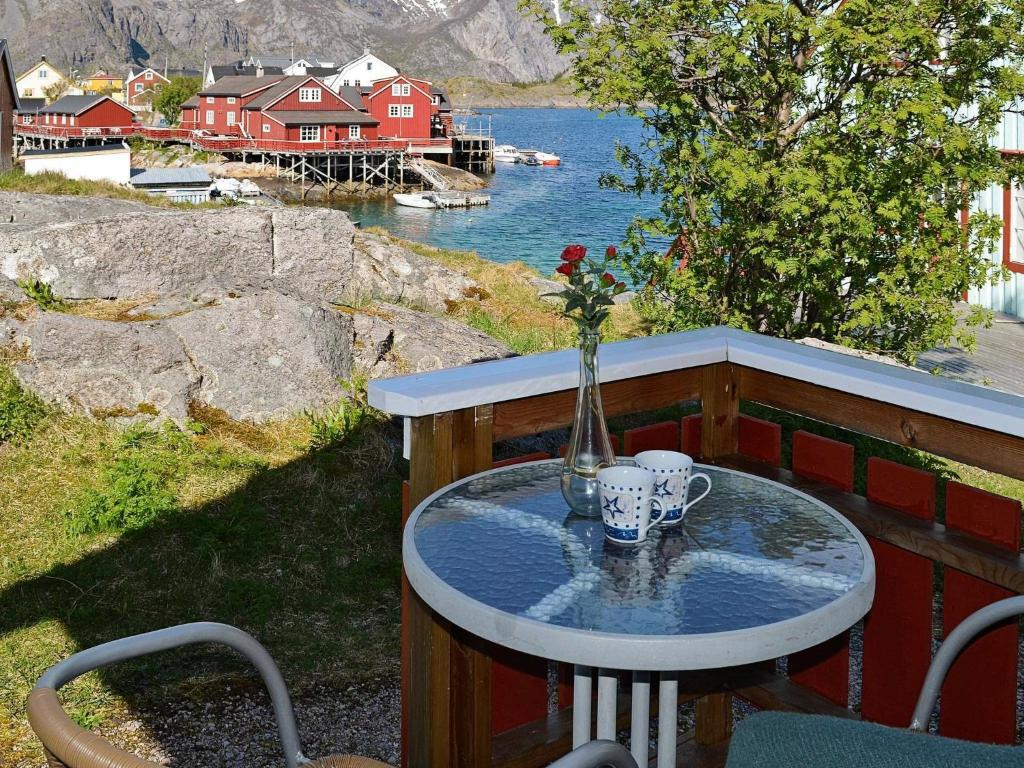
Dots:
{"x": 566, "y": 269}
{"x": 573, "y": 253}
{"x": 611, "y": 252}
{"x": 607, "y": 280}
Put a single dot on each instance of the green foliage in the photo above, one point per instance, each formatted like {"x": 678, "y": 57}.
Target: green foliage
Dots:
{"x": 338, "y": 426}
{"x": 55, "y": 90}
{"x": 20, "y": 410}
{"x": 811, "y": 157}
{"x": 42, "y": 294}
{"x": 169, "y": 99}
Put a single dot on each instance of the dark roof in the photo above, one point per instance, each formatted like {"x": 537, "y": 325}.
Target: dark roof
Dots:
{"x": 169, "y": 177}
{"x": 236, "y": 86}
{"x": 73, "y": 105}
{"x": 183, "y": 73}
{"x": 30, "y": 106}
{"x": 284, "y": 84}
{"x": 237, "y": 70}
{"x": 321, "y": 71}
{"x": 192, "y": 102}
{"x": 322, "y": 117}
{"x": 5, "y": 55}
{"x": 353, "y": 95}
{"x": 446, "y": 104}
{"x": 76, "y": 150}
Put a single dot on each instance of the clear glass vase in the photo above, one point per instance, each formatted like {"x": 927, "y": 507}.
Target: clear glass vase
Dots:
{"x": 590, "y": 447}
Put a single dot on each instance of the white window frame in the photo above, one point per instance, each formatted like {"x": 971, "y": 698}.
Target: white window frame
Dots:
{"x": 344, "y": 82}
{"x": 304, "y": 135}
{"x": 1016, "y": 214}
{"x": 407, "y": 110}
{"x": 394, "y": 110}
{"x": 266, "y": 127}
{"x": 369, "y": 66}
{"x": 63, "y": 119}
{"x": 231, "y": 99}
{"x": 43, "y": 74}
{"x": 139, "y": 87}
{"x": 210, "y": 117}
{"x": 231, "y": 118}
{"x": 210, "y": 99}
{"x": 149, "y": 75}
{"x": 354, "y": 132}
{"x": 26, "y": 119}
{"x": 72, "y": 120}
{"x": 310, "y": 95}
{"x": 435, "y": 100}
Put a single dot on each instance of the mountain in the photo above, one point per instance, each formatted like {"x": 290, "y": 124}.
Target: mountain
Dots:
{"x": 434, "y": 38}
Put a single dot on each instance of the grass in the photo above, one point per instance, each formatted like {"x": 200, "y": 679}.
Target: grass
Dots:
{"x": 16, "y": 180}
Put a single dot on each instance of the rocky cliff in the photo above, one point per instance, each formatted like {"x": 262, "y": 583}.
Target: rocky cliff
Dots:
{"x": 256, "y": 311}
{"x": 434, "y": 38}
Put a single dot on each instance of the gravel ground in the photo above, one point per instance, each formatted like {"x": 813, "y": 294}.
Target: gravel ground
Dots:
{"x": 238, "y": 730}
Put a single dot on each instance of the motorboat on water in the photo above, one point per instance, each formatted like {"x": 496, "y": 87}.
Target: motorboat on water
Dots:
{"x": 536, "y": 157}
{"x": 506, "y": 153}
{"x": 416, "y": 199}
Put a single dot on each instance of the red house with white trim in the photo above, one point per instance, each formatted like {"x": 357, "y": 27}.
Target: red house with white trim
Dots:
{"x": 297, "y": 108}
{"x": 86, "y": 112}
{"x": 140, "y": 88}
{"x": 403, "y": 106}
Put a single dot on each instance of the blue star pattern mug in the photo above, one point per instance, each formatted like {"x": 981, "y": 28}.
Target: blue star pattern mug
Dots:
{"x": 673, "y": 473}
{"x": 627, "y": 495}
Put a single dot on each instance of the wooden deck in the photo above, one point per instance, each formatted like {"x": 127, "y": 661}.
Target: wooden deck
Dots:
{"x": 998, "y": 362}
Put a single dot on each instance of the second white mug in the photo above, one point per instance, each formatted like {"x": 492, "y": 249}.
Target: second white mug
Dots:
{"x": 673, "y": 473}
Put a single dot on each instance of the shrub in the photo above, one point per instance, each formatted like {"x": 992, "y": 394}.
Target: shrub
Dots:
{"x": 20, "y": 411}
{"x": 42, "y": 294}
{"x": 341, "y": 424}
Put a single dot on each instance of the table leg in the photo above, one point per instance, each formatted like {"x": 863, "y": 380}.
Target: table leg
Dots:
{"x": 581, "y": 693}
{"x": 668, "y": 703}
{"x": 607, "y": 685}
{"x": 641, "y": 717}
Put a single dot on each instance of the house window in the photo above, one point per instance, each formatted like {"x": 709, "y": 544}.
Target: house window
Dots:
{"x": 26, "y": 119}
{"x": 209, "y": 117}
{"x": 149, "y": 75}
{"x": 358, "y": 83}
{"x": 435, "y": 100}
{"x": 266, "y": 127}
{"x": 231, "y": 99}
{"x": 1013, "y": 227}
{"x": 139, "y": 87}
{"x": 309, "y": 95}
{"x": 43, "y": 74}
{"x": 407, "y": 110}
{"x": 309, "y": 133}
{"x": 394, "y": 110}
{"x": 400, "y": 89}
{"x": 72, "y": 119}
{"x": 369, "y": 66}
{"x": 344, "y": 82}
{"x": 353, "y": 131}
{"x": 63, "y": 119}
{"x": 209, "y": 99}
{"x": 231, "y": 118}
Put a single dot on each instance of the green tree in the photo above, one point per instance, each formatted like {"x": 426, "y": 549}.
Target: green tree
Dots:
{"x": 811, "y": 157}
{"x": 169, "y": 99}
{"x": 56, "y": 89}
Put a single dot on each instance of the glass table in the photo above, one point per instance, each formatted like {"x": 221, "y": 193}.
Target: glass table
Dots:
{"x": 756, "y": 571}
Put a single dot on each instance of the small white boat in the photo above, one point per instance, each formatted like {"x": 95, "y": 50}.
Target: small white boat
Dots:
{"x": 546, "y": 158}
{"x": 506, "y": 153}
{"x": 231, "y": 188}
{"x": 536, "y": 157}
{"x": 416, "y": 199}
{"x": 249, "y": 189}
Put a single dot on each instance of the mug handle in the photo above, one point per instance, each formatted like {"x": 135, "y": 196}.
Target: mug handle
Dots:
{"x": 655, "y": 520}
{"x": 707, "y": 480}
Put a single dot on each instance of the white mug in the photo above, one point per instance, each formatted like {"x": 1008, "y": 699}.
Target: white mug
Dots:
{"x": 627, "y": 494}
{"x": 673, "y": 472}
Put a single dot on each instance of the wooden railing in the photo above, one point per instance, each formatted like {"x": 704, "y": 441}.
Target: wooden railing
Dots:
{"x": 494, "y": 710}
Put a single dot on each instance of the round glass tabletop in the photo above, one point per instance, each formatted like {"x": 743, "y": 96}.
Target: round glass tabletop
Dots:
{"x": 755, "y": 571}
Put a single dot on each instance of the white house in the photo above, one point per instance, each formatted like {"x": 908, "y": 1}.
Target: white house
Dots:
{"x": 361, "y": 71}
{"x": 111, "y": 162}
{"x": 33, "y": 84}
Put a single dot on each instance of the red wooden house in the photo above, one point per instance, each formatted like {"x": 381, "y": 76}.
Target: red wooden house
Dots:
{"x": 404, "y": 106}
{"x": 86, "y": 112}
{"x": 142, "y": 86}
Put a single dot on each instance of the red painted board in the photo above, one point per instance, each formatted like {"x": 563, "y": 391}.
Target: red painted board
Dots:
{"x": 825, "y": 668}
{"x": 898, "y": 629}
{"x": 760, "y": 440}
{"x": 538, "y": 456}
{"x": 819, "y": 458}
{"x": 979, "y": 696}
{"x": 692, "y": 433}
{"x": 519, "y": 689}
{"x": 662, "y": 436}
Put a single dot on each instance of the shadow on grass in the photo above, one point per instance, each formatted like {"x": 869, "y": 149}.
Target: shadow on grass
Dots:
{"x": 305, "y": 556}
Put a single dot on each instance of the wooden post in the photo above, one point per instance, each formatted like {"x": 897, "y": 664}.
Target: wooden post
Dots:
{"x": 446, "y": 704}
{"x": 714, "y": 719}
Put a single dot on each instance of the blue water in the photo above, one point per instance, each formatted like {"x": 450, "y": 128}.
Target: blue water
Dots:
{"x": 534, "y": 212}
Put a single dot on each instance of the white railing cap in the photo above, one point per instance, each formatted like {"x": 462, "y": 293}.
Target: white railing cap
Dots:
{"x": 512, "y": 378}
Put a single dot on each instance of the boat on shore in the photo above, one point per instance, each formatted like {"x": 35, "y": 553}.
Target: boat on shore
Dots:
{"x": 416, "y": 199}
{"x": 536, "y": 157}
{"x": 506, "y": 153}
{"x": 430, "y": 199}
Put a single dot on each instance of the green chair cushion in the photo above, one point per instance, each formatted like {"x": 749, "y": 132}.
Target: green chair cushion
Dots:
{"x": 787, "y": 740}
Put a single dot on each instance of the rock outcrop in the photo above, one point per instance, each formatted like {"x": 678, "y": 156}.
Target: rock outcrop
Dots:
{"x": 256, "y": 311}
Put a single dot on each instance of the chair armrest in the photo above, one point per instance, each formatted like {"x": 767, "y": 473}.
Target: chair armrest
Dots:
{"x": 597, "y": 754}
{"x": 951, "y": 647}
{"x": 175, "y": 637}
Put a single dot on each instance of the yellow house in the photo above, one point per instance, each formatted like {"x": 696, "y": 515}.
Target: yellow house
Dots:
{"x": 102, "y": 81}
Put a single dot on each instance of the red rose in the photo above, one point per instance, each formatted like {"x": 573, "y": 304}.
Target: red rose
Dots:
{"x": 566, "y": 269}
{"x": 611, "y": 252}
{"x": 620, "y": 287}
{"x": 573, "y": 253}
{"x": 607, "y": 280}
